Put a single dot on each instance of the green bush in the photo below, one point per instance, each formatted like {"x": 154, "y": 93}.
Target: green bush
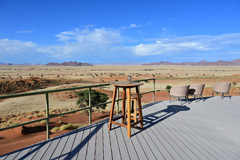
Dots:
{"x": 168, "y": 87}
{"x": 70, "y": 126}
{"x": 96, "y": 98}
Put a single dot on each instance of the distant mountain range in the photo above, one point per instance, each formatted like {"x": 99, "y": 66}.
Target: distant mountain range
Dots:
{"x": 68, "y": 64}
{"x": 201, "y": 63}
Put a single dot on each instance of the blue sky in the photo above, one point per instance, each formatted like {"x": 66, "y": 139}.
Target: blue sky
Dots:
{"x": 105, "y": 31}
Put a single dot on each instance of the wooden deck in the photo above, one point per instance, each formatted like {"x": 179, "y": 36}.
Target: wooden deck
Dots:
{"x": 199, "y": 130}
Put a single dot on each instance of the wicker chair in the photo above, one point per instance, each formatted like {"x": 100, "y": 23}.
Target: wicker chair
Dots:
{"x": 222, "y": 88}
{"x": 179, "y": 92}
{"x": 196, "y": 90}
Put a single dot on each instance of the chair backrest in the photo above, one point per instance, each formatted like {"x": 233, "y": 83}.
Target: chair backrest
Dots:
{"x": 222, "y": 87}
{"x": 179, "y": 90}
{"x": 196, "y": 89}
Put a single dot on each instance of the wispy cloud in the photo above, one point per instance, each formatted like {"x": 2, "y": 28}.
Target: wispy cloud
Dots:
{"x": 188, "y": 44}
{"x": 103, "y": 43}
{"x": 25, "y": 32}
{"x": 134, "y": 25}
{"x": 95, "y": 36}
{"x": 14, "y": 46}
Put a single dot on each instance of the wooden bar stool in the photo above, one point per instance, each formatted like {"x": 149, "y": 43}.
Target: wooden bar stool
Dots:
{"x": 126, "y": 94}
{"x": 134, "y": 110}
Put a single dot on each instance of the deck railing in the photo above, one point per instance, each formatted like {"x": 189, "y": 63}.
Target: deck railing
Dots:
{"x": 90, "y": 106}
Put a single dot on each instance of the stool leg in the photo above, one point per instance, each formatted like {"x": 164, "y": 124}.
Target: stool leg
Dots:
{"x": 135, "y": 111}
{"x": 133, "y": 102}
{"x": 139, "y": 108}
{"x": 112, "y": 109}
{"x": 129, "y": 111}
{"x": 123, "y": 106}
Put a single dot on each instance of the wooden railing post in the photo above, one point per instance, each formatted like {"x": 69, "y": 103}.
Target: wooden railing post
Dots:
{"x": 90, "y": 106}
{"x": 47, "y": 116}
{"x": 154, "y": 90}
{"x": 117, "y": 100}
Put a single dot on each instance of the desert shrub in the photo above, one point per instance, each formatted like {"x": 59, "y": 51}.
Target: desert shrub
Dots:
{"x": 97, "y": 97}
{"x": 44, "y": 122}
{"x": 168, "y": 87}
{"x": 28, "y": 117}
{"x": 70, "y": 126}
{"x": 55, "y": 129}
{"x": 37, "y": 125}
{"x": 234, "y": 83}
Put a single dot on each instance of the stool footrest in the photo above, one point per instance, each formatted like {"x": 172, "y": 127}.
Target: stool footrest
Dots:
{"x": 135, "y": 123}
{"x": 114, "y": 119}
{"x": 120, "y": 124}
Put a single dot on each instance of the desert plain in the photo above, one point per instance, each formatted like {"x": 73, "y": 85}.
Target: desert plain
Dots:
{"x": 98, "y": 74}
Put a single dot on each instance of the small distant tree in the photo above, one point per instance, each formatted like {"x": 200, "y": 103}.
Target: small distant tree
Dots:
{"x": 168, "y": 87}
{"x": 96, "y": 97}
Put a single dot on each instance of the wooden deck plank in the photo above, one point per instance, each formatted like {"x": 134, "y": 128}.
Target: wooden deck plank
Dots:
{"x": 68, "y": 146}
{"x": 114, "y": 144}
{"x": 156, "y": 151}
{"x": 3, "y": 157}
{"x": 76, "y": 145}
{"x": 23, "y": 152}
{"x": 107, "y": 152}
{"x": 60, "y": 147}
{"x": 11, "y": 156}
{"x": 84, "y": 144}
{"x": 187, "y": 147}
{"x": 129, "y": 145}
{"x": 164, "y": 142}
{"x": 213, "y": 130}
{"x": 92, "y": 143}
{"x": 161, "y": 147}
{"x": 195, "y": 137}
{"x": 144, "y": 144}
{"x": 51, "y": 148}
{"x": 197, "y": 126}
{"x": 138, "y": 147}
{"x": 176, "y": 139}
{"x": 33, "y": 151}
{"x": 206, "y": 130}
{"x": 42, "y": 150}
{"x": 170, "y": 141}
{"x": 122, "y": 146}
{"x": 190, "y": 141}
{"x": 99, "y": 142}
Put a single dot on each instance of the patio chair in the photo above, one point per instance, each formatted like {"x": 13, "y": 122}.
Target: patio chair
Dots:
{"x": 179, "y": 92}
{"x": 196, "y": 90}
{"x": 222, "y": 88}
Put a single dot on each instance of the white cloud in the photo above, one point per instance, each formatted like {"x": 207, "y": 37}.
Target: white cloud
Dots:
{"x": 134, "y": 25}
{"x": 103, "y": 43}
{"x": 14, "y": 46}
{"x": 95, "y": 36}
{"x": 193, "y": 44}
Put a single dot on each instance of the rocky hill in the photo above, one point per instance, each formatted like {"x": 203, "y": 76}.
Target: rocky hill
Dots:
{"x": 201, "y": 63}
{"x": 71, "y": 63}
